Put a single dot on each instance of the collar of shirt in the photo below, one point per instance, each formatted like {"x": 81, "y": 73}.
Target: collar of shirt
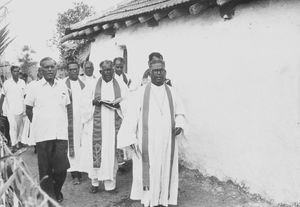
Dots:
{"x": 44, "y": 82}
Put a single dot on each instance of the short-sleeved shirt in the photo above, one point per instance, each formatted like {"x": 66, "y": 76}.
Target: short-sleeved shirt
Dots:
{"x": 50, "y": 112}
{"x": 14, "y": 96}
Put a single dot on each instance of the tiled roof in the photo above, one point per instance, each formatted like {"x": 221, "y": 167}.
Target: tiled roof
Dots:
{"x": 132, "y": 8}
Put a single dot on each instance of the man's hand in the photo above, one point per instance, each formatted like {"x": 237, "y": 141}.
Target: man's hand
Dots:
{"x": 136, "y": 150}
{"x": 178, "y": 130}
{"x": 116, "y": 106}
{"x": 29, "y": 112}
{"x": 97, "y": 102}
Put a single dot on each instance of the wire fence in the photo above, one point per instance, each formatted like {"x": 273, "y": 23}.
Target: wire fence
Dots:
{"x": 17, "y": 187}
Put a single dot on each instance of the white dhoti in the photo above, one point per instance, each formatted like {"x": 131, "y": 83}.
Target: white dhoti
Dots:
{"x": 16, "y": 124}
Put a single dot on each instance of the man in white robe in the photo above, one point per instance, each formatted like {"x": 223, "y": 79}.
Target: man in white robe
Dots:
{"x": 88, "y": 77}
{"x": 155, "y": 118}
{"x": 101, "y": 116}
{"x": 75, "y": 87}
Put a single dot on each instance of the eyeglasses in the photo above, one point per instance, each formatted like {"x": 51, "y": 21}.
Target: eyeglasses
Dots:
{"x": 49, "y": 66}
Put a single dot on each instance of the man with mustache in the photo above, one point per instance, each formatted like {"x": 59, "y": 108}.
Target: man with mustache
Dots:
{"x": 50, "y": 98}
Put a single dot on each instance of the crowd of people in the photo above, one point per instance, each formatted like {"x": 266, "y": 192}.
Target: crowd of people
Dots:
{"x": 85, "y": 124}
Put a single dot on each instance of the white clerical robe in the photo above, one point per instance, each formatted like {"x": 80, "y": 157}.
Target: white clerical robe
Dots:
{"x": 159, "y": 145}
{"x": 108, "y": 168}
{"x": 77, "y": 126}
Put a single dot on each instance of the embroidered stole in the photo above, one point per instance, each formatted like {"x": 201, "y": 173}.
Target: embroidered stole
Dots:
{"x": 145, "y": 135}
{"x": 97, "y": 125}
{"x": 70, "y": 117}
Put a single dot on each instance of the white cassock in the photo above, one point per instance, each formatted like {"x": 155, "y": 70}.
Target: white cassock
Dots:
{"x": 108, "y": 169}
{"x": 28, "y": 129}
{"x": 77, "y": 126}
{"x": 159, "y": 145}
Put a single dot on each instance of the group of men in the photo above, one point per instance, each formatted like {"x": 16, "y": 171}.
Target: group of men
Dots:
{"x": 87, "y": 124}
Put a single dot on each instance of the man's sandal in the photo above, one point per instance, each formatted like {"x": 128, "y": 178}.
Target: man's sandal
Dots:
{"x": 93, "y": 189}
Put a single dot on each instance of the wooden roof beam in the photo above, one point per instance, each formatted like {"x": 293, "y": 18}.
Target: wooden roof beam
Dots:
{"x": 178, "y": 12}
{"x": 198, "y": 8}
{"x": 81, "y": 33}
{"x": 107, "y": 26}
{"x": 144, "y": 18}
{"x": 96, "y": 28}
{"x": 118, "y": 25}
{"x": 75, "y": 34}
{"x": 227, "y": 8}
{"x": 131, "y": 22}
{"x": 88, "y": 31}
{"x": 160, "y": 15}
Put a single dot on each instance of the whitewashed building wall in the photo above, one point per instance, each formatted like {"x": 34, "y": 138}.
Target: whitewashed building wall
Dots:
{"x": 239, "y": 80}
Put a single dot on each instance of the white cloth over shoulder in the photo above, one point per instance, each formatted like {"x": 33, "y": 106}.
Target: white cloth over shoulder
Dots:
{"x": 28, "y": 129}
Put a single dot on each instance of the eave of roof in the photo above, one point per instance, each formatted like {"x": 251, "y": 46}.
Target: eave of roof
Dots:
{"x": 140, "y": 11}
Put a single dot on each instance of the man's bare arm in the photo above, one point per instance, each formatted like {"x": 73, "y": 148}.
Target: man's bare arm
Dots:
{"x": 1, "y": 103}
{"x": 29, "y": 112}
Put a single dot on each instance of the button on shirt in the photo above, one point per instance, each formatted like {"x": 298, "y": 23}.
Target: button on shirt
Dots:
{"x": 14, "y": 96}
{"x": 50, "y": 112}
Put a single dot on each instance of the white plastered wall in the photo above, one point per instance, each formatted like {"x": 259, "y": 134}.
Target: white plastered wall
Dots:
{"x": 239, "y": 80}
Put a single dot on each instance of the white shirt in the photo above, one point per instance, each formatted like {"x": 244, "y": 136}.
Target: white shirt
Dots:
{"x": 50, "y": 115}
{"x": 88, "y": 79}
{"x": 14, "y": 96}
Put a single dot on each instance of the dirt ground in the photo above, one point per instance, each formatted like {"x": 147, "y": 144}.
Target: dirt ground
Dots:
{"x": 195, "y": 190}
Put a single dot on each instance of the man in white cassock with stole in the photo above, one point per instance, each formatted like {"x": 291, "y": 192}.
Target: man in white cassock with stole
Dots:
{"x": 155, "y": 117}
{"x": 75, "y": 87}
{"x": 101, "y": 117}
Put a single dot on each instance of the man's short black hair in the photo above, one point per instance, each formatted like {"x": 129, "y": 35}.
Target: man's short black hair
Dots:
{"x": 13, "y": 67}
{"x": 85, "y": 62}
{"x": 151, "y": 62}
{"x": 155, "y": 54}
{"x": 118, "y": 58}
{"x": 106, "y": 62}
{"x": 45, "y": 59}
{"x": 72, "y": 62}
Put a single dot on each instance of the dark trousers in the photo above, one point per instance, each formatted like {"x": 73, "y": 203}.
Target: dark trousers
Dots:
{"x": 4, "y": 128}
{"x": 53, "y": 164}
{"x": 76, "y": 174}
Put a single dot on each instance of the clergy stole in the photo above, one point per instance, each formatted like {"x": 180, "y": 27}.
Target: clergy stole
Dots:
{"x": 125, "y": 79}
{"x": 70, "y": 117}
{"x": 97, "y": 125}
{"x": 145, "y": 135}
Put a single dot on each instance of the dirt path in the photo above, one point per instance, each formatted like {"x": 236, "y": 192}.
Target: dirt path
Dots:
{"x": 195, "y": 190}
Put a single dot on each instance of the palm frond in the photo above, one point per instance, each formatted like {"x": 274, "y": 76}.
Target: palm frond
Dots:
{"x": 5, "y": 40}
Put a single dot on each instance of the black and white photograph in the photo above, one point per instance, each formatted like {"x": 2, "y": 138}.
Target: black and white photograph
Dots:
{"x": 149, "y": 103}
